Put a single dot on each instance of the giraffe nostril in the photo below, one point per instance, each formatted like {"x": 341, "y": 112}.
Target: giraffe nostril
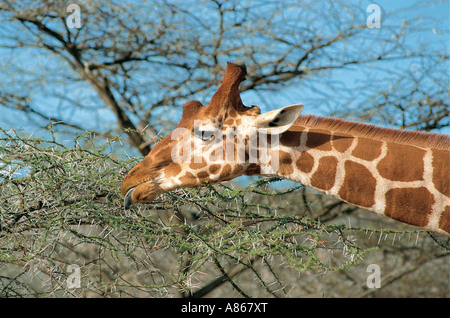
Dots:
{"x": 127, "y": 200}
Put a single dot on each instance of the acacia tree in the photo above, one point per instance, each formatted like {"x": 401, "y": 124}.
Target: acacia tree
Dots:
{"x": 415, "y": 99}
{"x": 129, "y": 65}
{"x": 64, "y": 233}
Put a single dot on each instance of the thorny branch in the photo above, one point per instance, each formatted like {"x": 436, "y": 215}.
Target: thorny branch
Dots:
{"x": 61, "y": 205}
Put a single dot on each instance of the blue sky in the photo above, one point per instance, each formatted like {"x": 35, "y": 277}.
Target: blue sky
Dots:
{"x": 34, "y": 62}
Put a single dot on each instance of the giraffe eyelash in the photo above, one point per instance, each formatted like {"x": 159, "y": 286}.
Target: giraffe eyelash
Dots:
{"x": 204, "y": 135}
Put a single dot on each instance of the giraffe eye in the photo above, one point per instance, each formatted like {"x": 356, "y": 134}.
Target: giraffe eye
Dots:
{"x": 204, "y": 135}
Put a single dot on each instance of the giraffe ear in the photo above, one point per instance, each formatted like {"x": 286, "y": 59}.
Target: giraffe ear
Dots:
{"x": 279, "y": 120}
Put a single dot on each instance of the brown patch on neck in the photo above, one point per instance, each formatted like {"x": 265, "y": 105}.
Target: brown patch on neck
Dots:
{"x": 341, "y": 142}
{"x": 441, "y": 171}
{"x": 253, "y": 170}
{"x": 359, "y": 185}
{"x": 291, "y": 138}
{"x": 319, "y": 139}
{"x": 325, "y": 175}
{"x": 226, "y": 172}
{"x": 367, "y": 149}
{"x": 402, "y": 163}
{"x": 409, "y": 205}
{"x": 444, "y": 221}
{"x": 202, "y": 174}
{"x": 305, "y": 162}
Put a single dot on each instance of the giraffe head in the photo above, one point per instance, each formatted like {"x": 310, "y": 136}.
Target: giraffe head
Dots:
{"x": 211, "y": 143}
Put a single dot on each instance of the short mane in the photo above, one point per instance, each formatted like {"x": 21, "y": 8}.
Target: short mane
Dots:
{"x": 416, "y": 138}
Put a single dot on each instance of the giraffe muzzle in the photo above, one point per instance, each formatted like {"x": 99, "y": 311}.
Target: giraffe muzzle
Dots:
{"x": 144, "y": 192}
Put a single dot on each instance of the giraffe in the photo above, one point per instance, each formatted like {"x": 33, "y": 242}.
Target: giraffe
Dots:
{"x": 404, "y": 175}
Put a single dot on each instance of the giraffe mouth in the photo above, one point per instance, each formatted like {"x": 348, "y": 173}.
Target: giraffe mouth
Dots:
{"x": 127, "y": 200}
{"x": 143, "y": 192}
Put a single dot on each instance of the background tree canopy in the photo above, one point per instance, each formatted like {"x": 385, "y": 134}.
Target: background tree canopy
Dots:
{"x": 80, "y": 106}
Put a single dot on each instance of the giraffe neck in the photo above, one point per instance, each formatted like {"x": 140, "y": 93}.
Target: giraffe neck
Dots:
{"x": 408, "y": 182}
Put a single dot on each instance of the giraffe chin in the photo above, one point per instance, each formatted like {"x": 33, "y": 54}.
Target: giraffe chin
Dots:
{"x": 145, "y": 192}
